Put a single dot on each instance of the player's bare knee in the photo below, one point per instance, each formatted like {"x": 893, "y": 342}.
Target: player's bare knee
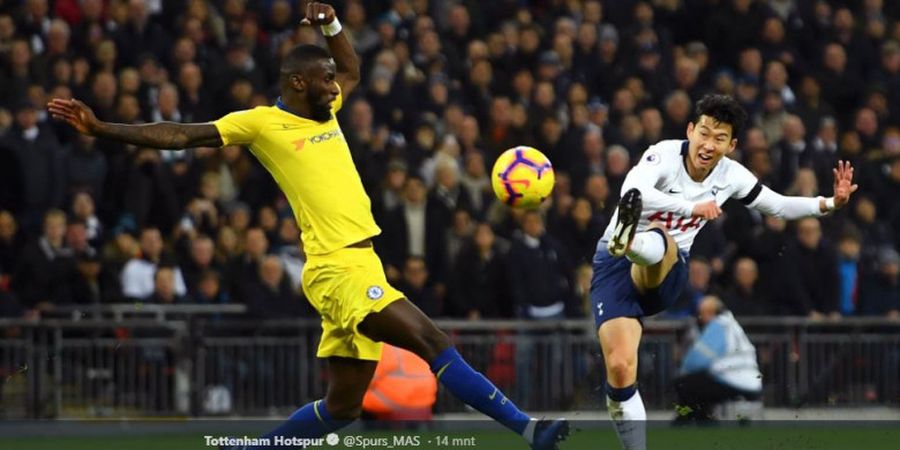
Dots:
{"x": 621, "y": 369}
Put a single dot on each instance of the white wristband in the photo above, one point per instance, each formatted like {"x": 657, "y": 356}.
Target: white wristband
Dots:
{"x": 333, "y": 28}
{"x": 829, "y": 204}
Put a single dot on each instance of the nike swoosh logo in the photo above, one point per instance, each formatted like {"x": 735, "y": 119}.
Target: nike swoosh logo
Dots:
{"x": 493, "y": 394}
{"x": 673, "y": 191}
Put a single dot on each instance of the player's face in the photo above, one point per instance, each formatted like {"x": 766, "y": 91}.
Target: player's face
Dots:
{"x": 321, "y": 89}
{"x": 710, "y": 140}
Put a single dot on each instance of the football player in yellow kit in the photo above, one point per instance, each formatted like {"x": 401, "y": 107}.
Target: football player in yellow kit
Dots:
{"x": 299, "y": 141}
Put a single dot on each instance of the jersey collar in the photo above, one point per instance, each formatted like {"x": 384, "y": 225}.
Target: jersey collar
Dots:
{"x": 280, "y": 104}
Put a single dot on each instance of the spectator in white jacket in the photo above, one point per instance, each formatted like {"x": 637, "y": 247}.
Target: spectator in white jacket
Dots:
{"x": 719, "y": 366}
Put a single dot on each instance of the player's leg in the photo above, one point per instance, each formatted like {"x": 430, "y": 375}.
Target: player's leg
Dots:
{"x": 349, "y": 379}
{"x": 646, "y": 277}
{"x": 619, "y": 340}
{"x": 653, "y": 252}
{"x": 403, "y": 325}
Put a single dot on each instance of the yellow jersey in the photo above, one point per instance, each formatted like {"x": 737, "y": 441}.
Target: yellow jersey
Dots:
{"x": 312, "y": 165}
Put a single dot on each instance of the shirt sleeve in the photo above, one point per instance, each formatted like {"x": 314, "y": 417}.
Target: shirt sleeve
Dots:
{"x": 645, "y": 176}
{"x": 753, "y": 194}
{"x": 239, "y": 127}
{"x": 786, "y": 207}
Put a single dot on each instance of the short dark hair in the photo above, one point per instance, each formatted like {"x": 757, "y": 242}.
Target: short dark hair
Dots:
{"x": 724, "y": 109}
{"x": 298, "y": 57}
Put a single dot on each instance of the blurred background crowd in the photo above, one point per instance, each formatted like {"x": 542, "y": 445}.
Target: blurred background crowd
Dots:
{"x": 447, "y": 86}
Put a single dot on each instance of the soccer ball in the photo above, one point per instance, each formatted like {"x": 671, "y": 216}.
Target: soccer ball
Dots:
{"x": 522, "y": 177}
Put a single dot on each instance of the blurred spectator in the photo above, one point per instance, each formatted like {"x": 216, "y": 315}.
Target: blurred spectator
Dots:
{"x": 201, "y": 260}
{"x": 139, "y": 273}
{"x": 228, "y": 245}
{"x": 841, "y": 86}
{"x": 85, "y": 167}
{"x": 358, "y": 30}
{"x": 699, "y": 285}
{"x": 271, "y": 296}
{"x": 121, "y": 248}
{"x": 720, "y": 365}
{"x": 447, "y": 193}
{"x": 889, "y": 190}
{"x": 479, "y": 286}
{"x": 389, "y": 193}
{"x": 790, "y": 149}
{"x": 267, "y": 221}
{"x": 811, "y": 272}
{"x": 41, "y": 157}
{"x": 88, "y": 286}
{"x": 415, "y": 284}
{"x": 879, "y": 292}
{"x": 848, "y": 271}
{"x": 149, "y": 194}
{"x": 458, "y": 234}
{"x": 811, "y": 107}
{"x": 77, "y": 238}
{"x": 243, "y": 270}
{"x": 591, "y": 161}
{"x": 414, "y": 229}
{"x": 140, "y": 34}
{"x": 11, "y": 244}
{"x": 209, "y": 289}
{"x": 539, "y": 271}
{"x": 822, "y": 155}
{"x": 581, "y": 230}
{"x": 743, "y": 295}
{"x": 476, "y": 183}
{"x": 164, "y": 291}
{"x": 46, "y": 267}
{"x": 289, "y": 248}
{"x": 772, "y": 116}
{"x": 83, "y": 210}
{"x": 195, "y": 102}
{"x": 874, "y": 233}
{"x": 711, "y": 243}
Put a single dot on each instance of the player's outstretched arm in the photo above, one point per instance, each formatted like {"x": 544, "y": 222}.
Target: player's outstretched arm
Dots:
{"x": 345, "y": 59}
{"x": 791, "y": 208}
{"x": 165, "y": 135}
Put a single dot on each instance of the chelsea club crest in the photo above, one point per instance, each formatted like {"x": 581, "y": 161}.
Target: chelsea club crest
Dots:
{"x": 374, "y": 292}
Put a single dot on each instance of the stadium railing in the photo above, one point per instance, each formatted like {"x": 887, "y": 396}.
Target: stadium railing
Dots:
{"x": 210, "y": 364}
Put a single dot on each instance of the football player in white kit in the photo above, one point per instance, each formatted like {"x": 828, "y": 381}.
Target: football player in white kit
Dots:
{"x": 640, "y": 263}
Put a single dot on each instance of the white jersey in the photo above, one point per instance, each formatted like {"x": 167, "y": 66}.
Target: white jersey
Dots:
{"x": 669, "y": 194}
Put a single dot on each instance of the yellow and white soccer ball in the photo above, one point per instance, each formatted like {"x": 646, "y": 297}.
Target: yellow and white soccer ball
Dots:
{"x": 522, "y": 177}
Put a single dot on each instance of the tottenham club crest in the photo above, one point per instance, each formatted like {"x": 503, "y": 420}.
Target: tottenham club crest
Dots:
{"x": 374, "y": 292}
{"x": 652, "y": 158}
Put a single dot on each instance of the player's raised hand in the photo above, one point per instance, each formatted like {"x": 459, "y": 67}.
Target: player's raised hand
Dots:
{"x": 843, "y": 183}
{"x": 318, "y": 14}
{"x": 75, "y": 113}
{"x": 708, "y": 210}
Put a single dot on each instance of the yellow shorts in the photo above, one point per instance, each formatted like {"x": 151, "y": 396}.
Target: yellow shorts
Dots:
{"x": 345, "y": 286}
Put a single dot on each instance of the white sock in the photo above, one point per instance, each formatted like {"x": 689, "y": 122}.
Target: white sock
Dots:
{"x": 647, "y": 248}
{"x": 630, "y": 420}
{"x": 528, "y": 434}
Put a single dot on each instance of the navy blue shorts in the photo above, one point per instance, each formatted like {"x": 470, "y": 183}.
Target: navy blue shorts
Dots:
{"x": 613, "y": 293}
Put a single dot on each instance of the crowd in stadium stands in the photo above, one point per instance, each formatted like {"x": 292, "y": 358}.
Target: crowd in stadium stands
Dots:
{"x": 447, "y": 86}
